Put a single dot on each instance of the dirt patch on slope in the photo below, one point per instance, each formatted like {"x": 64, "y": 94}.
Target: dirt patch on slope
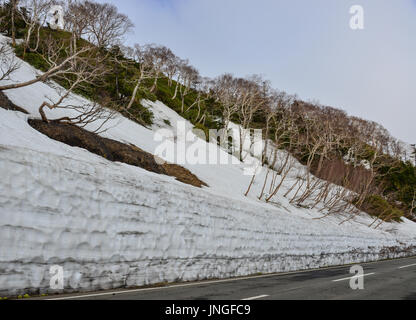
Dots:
{"x": 182, "y": 175}
{"x": 112, "y": 150}
{"x": 5, "y": 103}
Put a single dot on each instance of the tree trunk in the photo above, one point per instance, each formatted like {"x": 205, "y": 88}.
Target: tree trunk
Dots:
{"x": 14, "y": 4}
{"x": 264, "y": 185}
{"x": 176, "y": 91}
{"x": 251, "y": 183}
{"x": 133, "y": 97}
{"x": 154, "y": 84}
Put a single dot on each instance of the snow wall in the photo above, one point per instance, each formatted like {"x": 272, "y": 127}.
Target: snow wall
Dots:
{"x": 109, "y": 226}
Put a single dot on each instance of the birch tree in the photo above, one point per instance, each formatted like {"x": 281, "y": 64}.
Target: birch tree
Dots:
{"x": 59, "y": 60}
{"x": 160, "y": 59}
{"x": 105, "y": 25}
{"x": 77, "y": 19}
{"x": 188, "y": 77}
{"x": 84, "y": 70}
{"x": 8, "y": 63}
{"x": 143, "y": 62}
{"x": 34, "y": 16}
{"x": 203, "y": 88}
{"x": 250, "y": 99}
{"x": 225, "y": 93}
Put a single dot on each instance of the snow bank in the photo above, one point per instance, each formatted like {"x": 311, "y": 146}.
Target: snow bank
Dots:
{"x": 111, "y": 225}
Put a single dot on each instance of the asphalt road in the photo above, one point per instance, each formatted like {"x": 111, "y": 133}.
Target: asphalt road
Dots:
{"x": 392, "y": 279}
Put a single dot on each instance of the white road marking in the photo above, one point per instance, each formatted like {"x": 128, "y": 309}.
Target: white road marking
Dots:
{"x": 216, "y": 281}
{"x": 410, "y": 265}
{"x": 354, "y": 277}
{"x": 255, "y": 298}
{"x": 192, "y": 284}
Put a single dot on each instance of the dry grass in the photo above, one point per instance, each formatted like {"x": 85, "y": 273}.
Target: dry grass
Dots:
{"x": 112, "y": 150}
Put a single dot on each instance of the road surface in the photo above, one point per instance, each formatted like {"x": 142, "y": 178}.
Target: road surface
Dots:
{"x": 392, "y": 279}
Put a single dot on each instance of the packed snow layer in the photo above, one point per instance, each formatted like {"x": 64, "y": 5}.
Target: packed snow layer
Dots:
{"x": 111, "y": 225}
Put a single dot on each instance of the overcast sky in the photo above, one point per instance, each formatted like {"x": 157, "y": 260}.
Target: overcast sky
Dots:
{"x": 302, "y": 46}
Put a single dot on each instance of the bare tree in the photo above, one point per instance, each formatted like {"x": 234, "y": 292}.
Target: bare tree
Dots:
{"x": 8, "y": 62}
{"x": 286, "y": 169}
{"x": 34, "y": 16}
{"x": 2, "y": 14}
{"x": 368, "y": 182}
{"x": 188, "y": 77}
{"x": 171, "y": 67}
{"x": 106, "y": 26}
{"x": 77, "y": 19}
{"x": 141, "y": 56}
{"x": 160, "y": 59}
{"x": 85, "y": 70}
{"x": 225, "y": 92}
{"x": 1, "y": 21}
{"x": 59, "y": 59}
{"x": 13, "y": 8}
{"x": 283, "y": 126}
{"x": 413, "y": 205}
{"x": 278, "y": 116}
{"x": 249, "y": 100}
{"x": 203, "y": 88}
{"x": 177, "y": 71}
{"x": 269, "y": 112}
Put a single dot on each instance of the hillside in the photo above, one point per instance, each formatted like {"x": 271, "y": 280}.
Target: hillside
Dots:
{"x": 127, "y": 167}
{"x": 113, "y": 225}
{"x": 357, "y": 154}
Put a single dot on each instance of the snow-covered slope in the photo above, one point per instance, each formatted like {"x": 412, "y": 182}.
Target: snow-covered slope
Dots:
{"x": 110, "y": 224}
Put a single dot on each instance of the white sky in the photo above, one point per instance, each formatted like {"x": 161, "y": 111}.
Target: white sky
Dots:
{"x": 302, "y": 46}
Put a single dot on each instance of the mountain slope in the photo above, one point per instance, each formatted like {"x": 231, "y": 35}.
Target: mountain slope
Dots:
{"x": 111, "y": 225}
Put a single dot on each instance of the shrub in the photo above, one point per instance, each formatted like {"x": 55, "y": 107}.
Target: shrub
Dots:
{"x": 200, "y": 126}
{"x": 377, "y": 206}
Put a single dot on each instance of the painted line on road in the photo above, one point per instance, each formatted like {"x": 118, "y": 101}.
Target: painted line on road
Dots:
{"x": 191, "y": 284}
{"x": 223, "y": 280}
{"x": 354, "y": 277}
{"x": 410, "y": 265}
{"x": 255, "y": 298}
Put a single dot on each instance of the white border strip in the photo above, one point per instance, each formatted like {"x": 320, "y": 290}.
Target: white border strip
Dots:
{"x": 255, "y": 298}
{"x": 410, "y": 265}
{"x": 354, "y": 277}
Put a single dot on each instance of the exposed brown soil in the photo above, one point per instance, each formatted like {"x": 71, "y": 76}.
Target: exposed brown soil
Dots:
{"x": 5, "y": 103}
{"x": 183, "y": 175}
{"x": 112, "y": 150}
